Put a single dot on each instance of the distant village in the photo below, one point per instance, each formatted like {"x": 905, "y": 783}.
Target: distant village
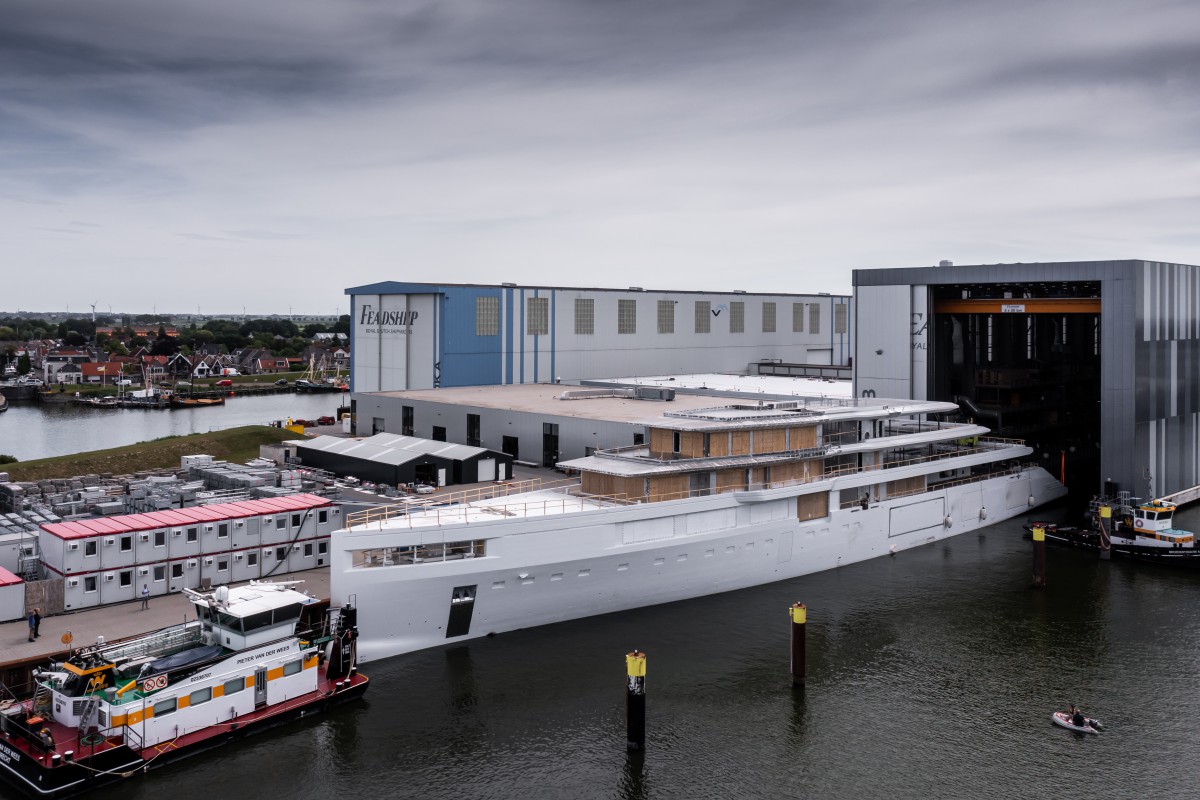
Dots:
{"x": 145, "y": 349}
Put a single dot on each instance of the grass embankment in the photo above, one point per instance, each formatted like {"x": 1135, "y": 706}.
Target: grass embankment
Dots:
{"x": 234, "y": 444}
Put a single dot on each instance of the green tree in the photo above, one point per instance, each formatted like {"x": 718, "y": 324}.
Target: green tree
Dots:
{"x": 7, "y": 333}
{"x": 23, "y": 364}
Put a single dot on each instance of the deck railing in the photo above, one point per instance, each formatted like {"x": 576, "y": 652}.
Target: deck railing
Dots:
{"x": 452, "y": 508}
{"x": 446, "y": 501}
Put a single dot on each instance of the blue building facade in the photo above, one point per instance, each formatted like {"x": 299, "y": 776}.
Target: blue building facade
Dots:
{"x": 422, "y": 336}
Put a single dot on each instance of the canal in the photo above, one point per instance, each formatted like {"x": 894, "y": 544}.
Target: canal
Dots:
{"x": 932, "y": 674}
{"x": 40, "y": 430}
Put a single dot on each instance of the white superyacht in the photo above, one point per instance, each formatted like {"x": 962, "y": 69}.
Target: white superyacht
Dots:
{"x": 718, "y": 499}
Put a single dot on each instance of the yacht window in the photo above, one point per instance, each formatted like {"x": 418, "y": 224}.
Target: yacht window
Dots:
{"x": 200, "y": 696}
{"x": 165, "y": 707}
{"x": 234, "y": 686}
{"x": 292, "y": 667}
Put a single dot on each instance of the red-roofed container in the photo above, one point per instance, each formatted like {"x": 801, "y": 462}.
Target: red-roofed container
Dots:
{"x": 107, "y": 560}
{"x": 12, "y": 596}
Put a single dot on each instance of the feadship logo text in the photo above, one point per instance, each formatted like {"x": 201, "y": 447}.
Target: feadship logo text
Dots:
{"x": 386, "y": 321}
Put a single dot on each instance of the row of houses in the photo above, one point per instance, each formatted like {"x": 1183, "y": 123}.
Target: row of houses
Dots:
{"x": 90, "y": 365}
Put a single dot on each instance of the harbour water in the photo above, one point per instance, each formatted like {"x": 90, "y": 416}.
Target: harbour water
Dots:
{"x": 931, "y": 674}
{"x": 33, "y": 430}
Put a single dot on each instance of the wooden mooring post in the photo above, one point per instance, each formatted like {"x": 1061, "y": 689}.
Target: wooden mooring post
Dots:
{"x": 635, "y": 700}
{"x": 1039, "y": 557}
{"x": 798, "y": 614}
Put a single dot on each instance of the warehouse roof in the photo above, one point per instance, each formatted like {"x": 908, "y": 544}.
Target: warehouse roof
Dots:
{"x": 390, "y": 448}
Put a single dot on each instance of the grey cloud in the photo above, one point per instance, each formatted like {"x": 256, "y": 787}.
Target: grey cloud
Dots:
{"x": 620, "y": 137}
{"x": 263, "y": 235}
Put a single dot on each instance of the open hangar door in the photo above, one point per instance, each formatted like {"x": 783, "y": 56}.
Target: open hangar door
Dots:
{"x": 1024, "y": 359}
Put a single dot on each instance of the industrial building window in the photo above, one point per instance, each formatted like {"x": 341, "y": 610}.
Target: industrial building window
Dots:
{"x": 223, "y": 530}
{"x": 191, "y": 534}
{"x": 322, "y": 517}
{"x": 295, "y": 520}
{"x": 223, "y": 565}
{"x": 737, "y": 317}
{"x": 814, "y": 318}
{"x": 126, "y": 578}
{"x": 703, "y": 316}
{"x": 160, "y": 574}
{"x": 537, "y": 320}
{"x": 280, "y": 553}
{"x": 797, "y": 317}
{"x": 252, "y": 559}
{"x": 160, "y": 538}
{"x": 839, "y": 318}
{"x": 474, "y": 437}
{"x": 487, "y": 316}
{"x": 89, "y": 548}
{"x": 280, "y": 523}
{"x": 322, "y": 548}
{"x": 627, "y": 316}
{"x": 439, "y": 434}
{"x": 89, "y": 583}
{"x": 126, "y": 544}
{"x": 177, "y": 570}
{"x": 585, "y": 316}
{"x": 768, "y": 318}
{"x": 406, "y": 420}
{"x": 666, "y": 316}
{"x": 308, "y": 550}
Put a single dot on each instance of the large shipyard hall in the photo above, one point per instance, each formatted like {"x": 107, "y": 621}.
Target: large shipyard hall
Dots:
{"x": 1095, "y": 364}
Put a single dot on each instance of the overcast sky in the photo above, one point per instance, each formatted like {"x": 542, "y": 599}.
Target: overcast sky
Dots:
{"x": 269, "y": 154}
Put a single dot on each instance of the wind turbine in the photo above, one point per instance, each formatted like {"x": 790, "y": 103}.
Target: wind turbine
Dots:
{"x": 93, "y": 313}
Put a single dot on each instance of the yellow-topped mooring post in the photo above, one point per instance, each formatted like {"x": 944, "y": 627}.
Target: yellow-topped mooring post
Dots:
{"x": 635, "y": 700}
{"x": 1105, "y": 533}
{"x": 1039, "y": 557}
{"x": 799, "y": 616}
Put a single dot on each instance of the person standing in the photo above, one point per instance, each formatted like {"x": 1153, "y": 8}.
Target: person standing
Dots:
{"x": 37, "y": 622}
{"x": 31, "y": 621}
{"x": 145, "y": 597}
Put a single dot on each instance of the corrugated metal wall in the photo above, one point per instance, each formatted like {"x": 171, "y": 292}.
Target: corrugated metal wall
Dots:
{"x": 1149, "y": 349}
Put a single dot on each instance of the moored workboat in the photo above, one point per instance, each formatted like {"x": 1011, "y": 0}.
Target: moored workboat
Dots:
{"x": 1128, "y": 529}
{"x": 178, "y": 401}
{"x": 112, "y": 711}
{"x": 98, "y": 402}
{"x": 714, "y": 500}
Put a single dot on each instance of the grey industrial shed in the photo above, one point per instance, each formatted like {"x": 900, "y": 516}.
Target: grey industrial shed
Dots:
{"x": 393, "y": 459}
{"x": 1095, "y": 363}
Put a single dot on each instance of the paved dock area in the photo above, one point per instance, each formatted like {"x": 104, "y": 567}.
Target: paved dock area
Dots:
{"x": 121, "y": 620}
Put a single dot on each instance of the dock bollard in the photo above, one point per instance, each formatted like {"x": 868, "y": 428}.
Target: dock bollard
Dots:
{"x": 1039, "y": 557}
{"x": 635, "y": 701}
{"x": 799, "y": 616}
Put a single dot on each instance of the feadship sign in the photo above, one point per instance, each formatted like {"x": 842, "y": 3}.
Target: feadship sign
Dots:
{"x": 385, "y": 322}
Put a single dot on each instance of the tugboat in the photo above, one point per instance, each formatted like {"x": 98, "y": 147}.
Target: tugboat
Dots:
{"x": 113, "y": 711}
{"x": 1128, "y": 529}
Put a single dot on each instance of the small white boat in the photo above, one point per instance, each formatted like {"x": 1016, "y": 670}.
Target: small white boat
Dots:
{"x": 1063, "y": 719}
